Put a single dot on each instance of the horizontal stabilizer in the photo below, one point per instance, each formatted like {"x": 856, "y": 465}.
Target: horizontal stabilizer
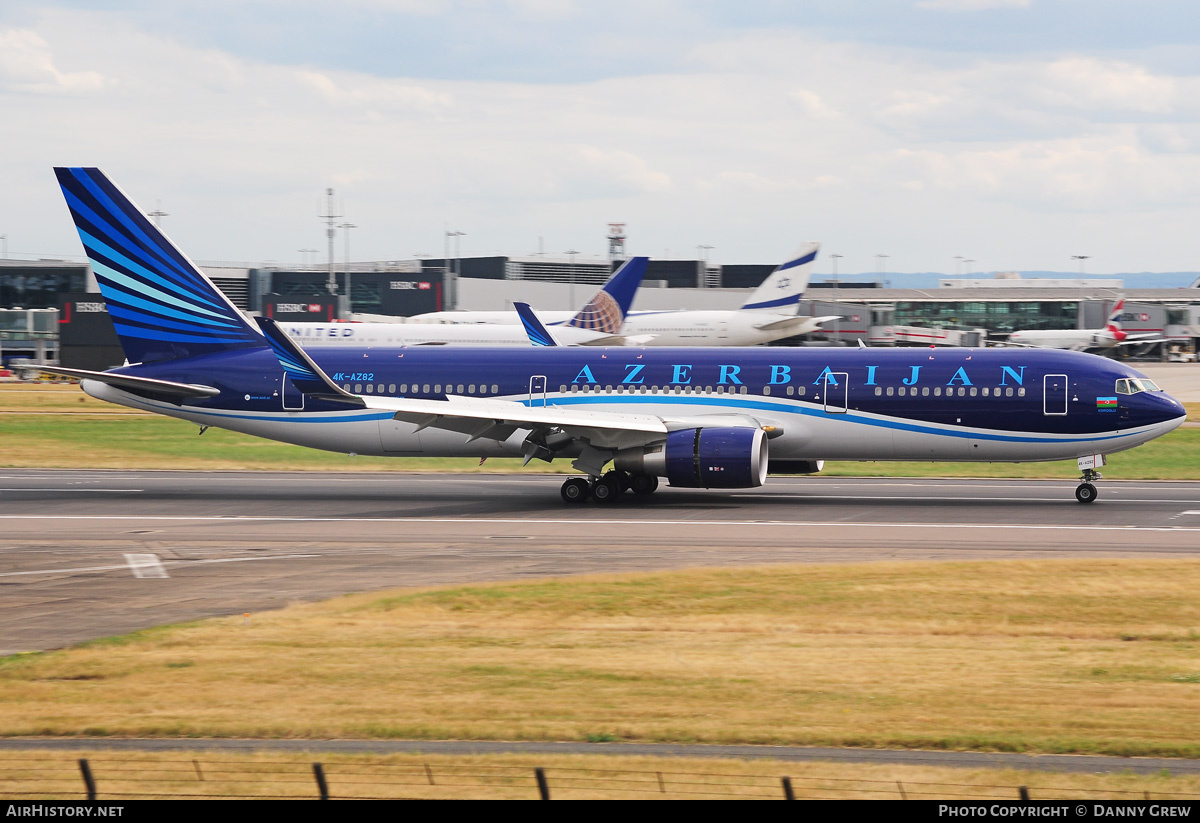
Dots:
{"x": 130, "y": 383}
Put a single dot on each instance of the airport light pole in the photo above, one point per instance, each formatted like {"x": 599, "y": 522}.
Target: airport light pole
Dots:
{"x": 1080, "y": 258}
{"x": 4, "y": 240}
{"x": 571, "y": 253}
{"x": 879, "y": 258}
{"x": 451, "y": 275}
{"x": 968, "y": 262}
{"x": 702, "y": 275}
{"x": 837, "y": 321}
{"x": 330, "y": 232}
{"x": 158, "y": 213}
{"x": 349, "y": 298}
{"x": 306, "y": 253}
{"x": 958, "y": 258}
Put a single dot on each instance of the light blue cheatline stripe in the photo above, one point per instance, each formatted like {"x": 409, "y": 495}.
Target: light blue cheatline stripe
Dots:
{"x": 183, "y": 296}
{"x": 115, "y": 235}
{"x": 553, "y": 400}
{"x": 561, "y": 400}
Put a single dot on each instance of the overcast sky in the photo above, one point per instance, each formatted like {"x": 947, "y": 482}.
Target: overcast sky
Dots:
{"x": 1013, "y": 132}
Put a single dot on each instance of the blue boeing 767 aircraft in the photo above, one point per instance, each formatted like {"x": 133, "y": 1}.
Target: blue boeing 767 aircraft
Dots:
{"x": 718, "y": 418}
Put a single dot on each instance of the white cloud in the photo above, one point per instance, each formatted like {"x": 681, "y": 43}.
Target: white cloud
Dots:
{"x": 27, "y": 64}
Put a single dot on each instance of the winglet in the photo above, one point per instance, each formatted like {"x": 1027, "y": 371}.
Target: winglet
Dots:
{"x": 785, "y": 286}
{"x": 297, "y": 365}
{"x": 607, "y": 309}
{"x": 538, "y": 334}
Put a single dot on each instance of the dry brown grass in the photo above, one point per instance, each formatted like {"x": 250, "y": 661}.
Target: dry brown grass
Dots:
{"x": 1053, "y": 656}
{"x": 124, "y": 775}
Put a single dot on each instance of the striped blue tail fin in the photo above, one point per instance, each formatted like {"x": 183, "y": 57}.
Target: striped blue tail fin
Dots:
{"x": 161, "y": 304}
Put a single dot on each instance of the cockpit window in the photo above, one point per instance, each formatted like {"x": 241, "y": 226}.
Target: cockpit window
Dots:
{"x": 1133, "y": 385}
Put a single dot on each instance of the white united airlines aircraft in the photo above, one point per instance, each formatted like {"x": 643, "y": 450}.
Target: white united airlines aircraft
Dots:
{"x": 1109, "y": 337}
{"x": 771, "y": 313}
{"x": 598, "y": 323}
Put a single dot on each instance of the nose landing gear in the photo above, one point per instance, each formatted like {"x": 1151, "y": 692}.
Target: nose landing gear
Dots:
{"x": 1085, "y": 492}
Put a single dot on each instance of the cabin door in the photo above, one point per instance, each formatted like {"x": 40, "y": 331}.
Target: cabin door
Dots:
{"x": 1054, "y": 394}
{"x": 537, "y": 390}
{"x": 293, "y": 398}
{"x": 836, "y": 388}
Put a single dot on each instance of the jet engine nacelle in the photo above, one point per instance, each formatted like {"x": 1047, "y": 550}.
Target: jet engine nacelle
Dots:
{"x": 711, "y": 458}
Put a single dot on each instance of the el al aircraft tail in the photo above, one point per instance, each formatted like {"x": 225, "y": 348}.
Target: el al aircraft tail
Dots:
{"x": 785, "y": 286}
{"x": 162, "y": 306}
{"x": 606, "y": 311}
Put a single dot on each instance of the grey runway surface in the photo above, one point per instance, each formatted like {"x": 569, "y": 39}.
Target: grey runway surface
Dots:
{"x": 233, "y": 542}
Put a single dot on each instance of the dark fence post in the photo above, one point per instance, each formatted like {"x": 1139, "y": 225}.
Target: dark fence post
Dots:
{"x": 88, "y": 780}
{"x": 543, "y": 789}
{"x": 1025, "y": 793}
{"x": 199, "y": 774}
{"x": 788, "y": 794}
{"x": 322, "y": 786}
{"x": 900, "y": 786}
{"x": 429, "y": 774}
{"x": 662, "y": 787}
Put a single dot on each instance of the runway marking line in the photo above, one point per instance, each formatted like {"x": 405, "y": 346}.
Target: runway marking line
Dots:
{"x": 577, "y": 522}
{"x": 126, "y": 566}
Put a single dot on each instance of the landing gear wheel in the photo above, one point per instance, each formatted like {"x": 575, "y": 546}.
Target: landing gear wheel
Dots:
{"x": 1085, "y": 493}
{"x": 643, "y": 483}
{"x": 575, "y": 490}
{"x": 606, "y": 490}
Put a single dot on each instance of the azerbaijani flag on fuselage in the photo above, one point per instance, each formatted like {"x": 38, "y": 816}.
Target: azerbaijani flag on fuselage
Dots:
{"x": 1106, "y": 404}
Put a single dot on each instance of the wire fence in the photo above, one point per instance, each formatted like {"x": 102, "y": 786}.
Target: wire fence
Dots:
{"x": 61, "y": 776}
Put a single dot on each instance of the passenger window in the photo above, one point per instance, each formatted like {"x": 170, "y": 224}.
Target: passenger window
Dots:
{"x": 745, "y": 390}
{"x": 901, "y": 391}
{"x": 471, "y": 389}
{"x": 924, "y": 391}
{"x": 1021, "y": 392}
{"x": 1008, "y": 392}
{"x": 562, "y": 389}
{"x": 962, "y": 392}
{"x": 425, "y": 389}
{"x": 460, "y": 388}
{"x": 391, "y": 388}
{"x": 891, "y": 390}
{"x": 358, "y": 388}
{"x": 495, "y": 389}
{"x": 370, "y": 388}
{"x": 800, "y": 391}
{"x": 937, "y": 391}
{"x": 404, "y": 388}
{"x": 974, "y": 391}
{"x": 766, "y": 389}
{"x": 878, "y": 391}
{"x": 792, "y": 390}
{"x": 346, "y": 386}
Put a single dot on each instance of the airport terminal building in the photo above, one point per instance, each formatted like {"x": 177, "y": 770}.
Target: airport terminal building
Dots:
{"x": 50, "y": 311}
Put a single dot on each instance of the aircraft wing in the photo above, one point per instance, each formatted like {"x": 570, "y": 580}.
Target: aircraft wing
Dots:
{"x": 497, "y": 419}
{"x": 474, "y": 416}
{"x": 1136, "y": 339}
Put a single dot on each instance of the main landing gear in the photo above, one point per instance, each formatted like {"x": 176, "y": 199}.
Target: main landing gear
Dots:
{"x": 607, "y": 489}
